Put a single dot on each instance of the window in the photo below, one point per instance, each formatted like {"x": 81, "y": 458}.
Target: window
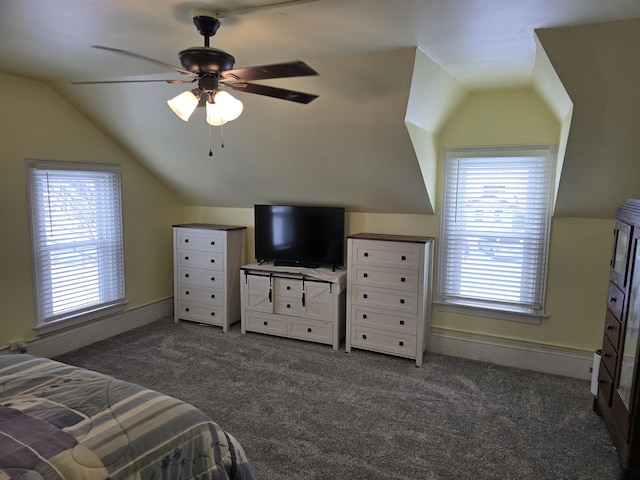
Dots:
{"x": 495, "y": 224}
{"x": 76, "y": 223}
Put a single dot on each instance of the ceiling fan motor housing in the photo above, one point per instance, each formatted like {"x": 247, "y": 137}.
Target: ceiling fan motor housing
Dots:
{"x": 203, "y": 60}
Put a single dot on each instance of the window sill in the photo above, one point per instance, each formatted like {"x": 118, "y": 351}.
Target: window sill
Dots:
{"x": 79, "y": 319}
{"x": 476, "y": 311}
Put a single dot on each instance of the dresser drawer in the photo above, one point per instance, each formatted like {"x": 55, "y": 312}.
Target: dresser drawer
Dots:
{"x": 381, "y": 341}
{"x": 385, "y": 277}
{"x": 310, "y": 330}
{"x": 210, "y": 242}
{"x": 266, "y": 323}
{"x": 404, "y": 323}
{"x": 612, "y": 330}
{"x": 204, "y": 278}
{"x": 609, "y": 357}
{"x": 201, "y": 295}
{"x": 288, "y": 287}
{"x": 615, "y": 301}
{"x": 211, "y": 314}
{"x": 605, "y": 385}
{"x": 196, "y": 259}
{"x": 382, "y": 298}
{"x": 386, "y": 254}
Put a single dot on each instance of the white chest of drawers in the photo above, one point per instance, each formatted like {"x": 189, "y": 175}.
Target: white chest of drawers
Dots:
{"x": 389, "y": 294}
{"x": 304, "y": 304}
{"x": 207, "y": 259}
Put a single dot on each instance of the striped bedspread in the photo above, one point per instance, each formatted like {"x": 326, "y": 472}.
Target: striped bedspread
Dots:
{"x": 63, "y": 422}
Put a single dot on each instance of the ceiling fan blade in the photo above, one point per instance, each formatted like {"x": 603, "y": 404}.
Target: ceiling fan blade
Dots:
{"x": 242, "y": 11}
{"x": 134, "y": 81}
{"x": 274, "y": 92}
{"x": 142, "y": 57}
{"x": 279, "y": 70}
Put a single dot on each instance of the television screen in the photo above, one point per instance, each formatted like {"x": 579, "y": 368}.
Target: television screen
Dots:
{"x": 299, "y": 235}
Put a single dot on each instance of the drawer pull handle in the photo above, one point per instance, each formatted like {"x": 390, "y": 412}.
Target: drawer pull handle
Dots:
{"x": 606, "y": 355}
{"x": 404, "y": 258}
{"x": 213, "y": 279}
{"x": 186, "y": 309}
{"x": 187, "y": 292}
{"x": 401, "y": 344}
{"x": 402, "y": 279}
{"x": 213, "y": 314}
{"x": 186, "y": 275}
{"x": 364, "y": 316}
{"x": 213, "y": 260}
{"x": 288, "y": 287}
{"x": 213, "y": 243}
{"x": 401, "y": 322}
{"x": 609, "y": 327}
{"x": 213, "y": 295}
{"x": 613, "y": 299}
{"x": 365, "y": 275}
{"x": 187, "y": 257}
{"x": 309, "y": 330}
{"x": 402, "y": 300}
{"x": 364, "y": 337}
{"x": 266, "y": 323}
{"x": 364, "y": 295}
{"x": 288, "y": 305}
{"x": 366, "y": 254}
{"x": 186, "y": 240}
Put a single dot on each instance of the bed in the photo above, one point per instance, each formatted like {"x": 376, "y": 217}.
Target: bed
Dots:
{"x": 58, "y": 421}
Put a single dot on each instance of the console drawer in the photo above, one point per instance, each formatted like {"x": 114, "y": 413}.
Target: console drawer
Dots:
{"x": 209, "y": 261}
{"x": 398, "y": 279}
{"x": 210, "y": 314}
{"x": 266, "y": 323}
{"x": 201, "y": 295}
{"x": 405, "y": 323}
{"x": 386, "y": 254}
{"x": 187, "y": 275}
{"x": 383, "y": 298}
{"x": 211, "y": 242}
{"x": 310, "y": 330}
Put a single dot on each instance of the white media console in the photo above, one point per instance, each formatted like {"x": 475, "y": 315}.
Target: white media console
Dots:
{"x": 294, "y": 302}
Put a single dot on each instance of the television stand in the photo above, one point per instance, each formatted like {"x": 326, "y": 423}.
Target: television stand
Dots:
{"x": 294, "y": 302}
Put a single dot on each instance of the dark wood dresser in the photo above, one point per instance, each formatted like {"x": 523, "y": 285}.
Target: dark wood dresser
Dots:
{"x": 618, "y": 378}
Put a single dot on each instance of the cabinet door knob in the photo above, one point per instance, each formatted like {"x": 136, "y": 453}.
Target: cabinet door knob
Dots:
{"x": 186, "y": 258}
{"x": 186, "y": 309}
{"x": 309, "y": 330}
{"x": 365, "y": 275}
{"x": 364, "y": 316}
{"x": 402, "y": 300}
{"x": 266, "y": 323}
{"x": 187, "y": 292}
{"x": 364, "y": 295}
{"x": 364, "y": 337}
{"x": 402, "y": 279}
{"x": 401, "y": 344}
{"x": 404, "y": 258}
{"x": 401, "y": 322}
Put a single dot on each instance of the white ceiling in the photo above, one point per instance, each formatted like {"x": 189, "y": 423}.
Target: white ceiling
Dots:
{"x": 349, "y": 147}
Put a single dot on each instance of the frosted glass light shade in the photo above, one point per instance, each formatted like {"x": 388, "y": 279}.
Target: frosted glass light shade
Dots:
{"x": 184, "y": 104}
{"x": 230, "y": 106}
{"x": 214, "y": 115}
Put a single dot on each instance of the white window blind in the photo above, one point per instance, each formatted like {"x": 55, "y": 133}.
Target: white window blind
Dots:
{"x": 77, "y": 238}
{"x": 495, "y": 226}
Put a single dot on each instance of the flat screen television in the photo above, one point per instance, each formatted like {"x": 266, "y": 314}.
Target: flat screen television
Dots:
{"x": 304, "y": 236}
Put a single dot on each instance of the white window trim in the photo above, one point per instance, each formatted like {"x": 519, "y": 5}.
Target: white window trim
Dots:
{"x": 467, "y": 306}
{"x": 86, "y": 314}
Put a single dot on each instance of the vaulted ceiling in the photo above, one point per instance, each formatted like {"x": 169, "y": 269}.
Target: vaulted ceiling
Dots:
{"x": 351, "y": 146}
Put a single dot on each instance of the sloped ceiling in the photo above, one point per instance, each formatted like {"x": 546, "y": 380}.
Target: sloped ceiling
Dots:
{"x": 350, "y": 146}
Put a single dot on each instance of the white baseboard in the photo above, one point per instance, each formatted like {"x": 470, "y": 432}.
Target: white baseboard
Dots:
{"x": 569, "y": 363}
{"x": 73, "y": 338}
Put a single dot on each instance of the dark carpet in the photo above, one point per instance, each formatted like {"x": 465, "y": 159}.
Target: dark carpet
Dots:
{"x": 304, "y": 411}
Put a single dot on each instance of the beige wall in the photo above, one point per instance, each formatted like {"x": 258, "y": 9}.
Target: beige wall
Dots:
{"x": 579, "y": 250}
{"x": 37, "y": 123}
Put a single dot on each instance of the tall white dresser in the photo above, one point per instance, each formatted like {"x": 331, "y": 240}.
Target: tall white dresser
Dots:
{"x": 206, "y": 265}
{"x": 389, "y": 294}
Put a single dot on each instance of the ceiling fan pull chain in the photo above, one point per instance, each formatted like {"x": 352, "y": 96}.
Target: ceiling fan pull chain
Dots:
{"x": 221, "y": 137}
{"x": 210, "y": 151}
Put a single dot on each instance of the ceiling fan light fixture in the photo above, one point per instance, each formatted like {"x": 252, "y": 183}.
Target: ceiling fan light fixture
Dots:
{"x": 185, "y": 104}
{"x": 214, "y": 114}
{"x": 230, "y": 107}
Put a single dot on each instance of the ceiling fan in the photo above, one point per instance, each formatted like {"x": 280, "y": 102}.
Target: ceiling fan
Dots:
{"x": 212, "y": 68}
